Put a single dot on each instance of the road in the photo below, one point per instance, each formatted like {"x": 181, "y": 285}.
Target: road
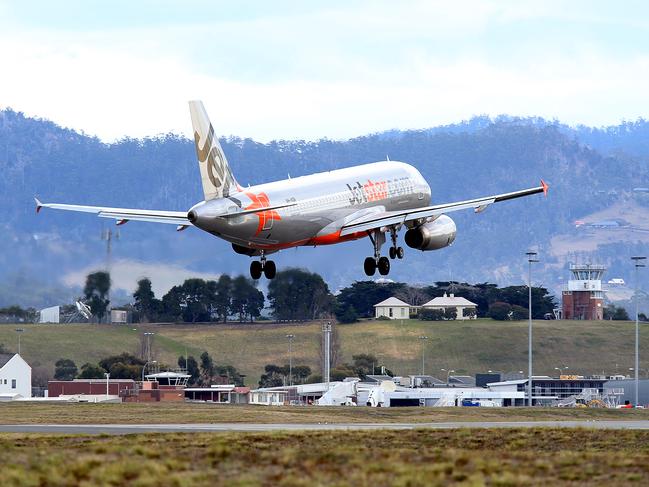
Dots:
{"x": 122, "y": 429}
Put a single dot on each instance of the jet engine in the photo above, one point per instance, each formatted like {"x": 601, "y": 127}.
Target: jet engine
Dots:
{"x": 433, "y": 235}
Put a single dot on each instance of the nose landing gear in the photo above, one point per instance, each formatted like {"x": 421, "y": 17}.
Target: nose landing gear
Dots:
{"x": 267, "y": 267}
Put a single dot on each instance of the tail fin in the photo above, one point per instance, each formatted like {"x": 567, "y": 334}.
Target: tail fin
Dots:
{"x": 218, "y": 180}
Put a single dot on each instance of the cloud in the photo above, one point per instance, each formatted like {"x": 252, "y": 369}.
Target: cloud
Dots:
{"x": 337, "y": 71}
{"x": 126, "y": 273}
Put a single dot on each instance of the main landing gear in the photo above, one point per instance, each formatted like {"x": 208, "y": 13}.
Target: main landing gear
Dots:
{"x": 267, "y": 267}
{"x": 371, "y": 264}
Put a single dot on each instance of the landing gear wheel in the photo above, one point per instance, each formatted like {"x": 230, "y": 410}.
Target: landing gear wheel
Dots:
{"x": 384, "y": 266}
{"x": 369, "y": 266}
{"x": 255, "y": 269}
{"x": 400, "y": 252}
{"x": 269, "y": 269}
{"x": 393, "y": 253}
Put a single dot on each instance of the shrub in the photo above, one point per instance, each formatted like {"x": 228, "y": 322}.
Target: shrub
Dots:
{"x": 499, "y": 311}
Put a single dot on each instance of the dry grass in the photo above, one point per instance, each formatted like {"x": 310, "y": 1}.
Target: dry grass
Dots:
{"x": 154, "y": 413}
{"x": 380, "y": 458}
{"x": 586, "y": 347}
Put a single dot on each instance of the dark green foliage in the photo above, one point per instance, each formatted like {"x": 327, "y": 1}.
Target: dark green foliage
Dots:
{"x": 96, "y": 293}
{"x": 346, "y": 313}
{"x": 92, "y": 371}
{"x": 363, "y": 295}
{"x": 499, "y": 311}
{"x": 427, "y": 314}
{"x": 65, "y": 369}
{"x": 210, "y": 372}
{"x": 191, "y": 366}
{"x": 519, "y": 313}
{"x": 223, "y": 299}
{"x": 275, "y": 375}
{"x": 618, "y": 313}
{"x": 296, "y": 294}
{"x": 124, "y": 366}
{"x": 146, "y": 305}
{"x": 247, "y": 301}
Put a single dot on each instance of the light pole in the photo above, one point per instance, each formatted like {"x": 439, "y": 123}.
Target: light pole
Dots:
{"x": 144, "y": 368}
{"x": 638, "y": 261}
{"x": 107, "y": 374}
{"x": 423, "y": 350}
{"x": 531, "y": 258}
{"x": 290, "y": 359}
{"x": 561, "y": 369}
{"x": 326, "y": 329}
{"x": 148, "y": 335}
{"x": 21, "y": 330}
{"x": 448, "y": 373}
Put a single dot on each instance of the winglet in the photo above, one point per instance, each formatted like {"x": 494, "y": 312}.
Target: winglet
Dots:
{"x": 39, "y": 205}
{"x": 545, "y": 187}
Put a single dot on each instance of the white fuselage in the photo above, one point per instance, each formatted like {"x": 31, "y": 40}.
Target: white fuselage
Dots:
{"x": 321, "y": 204}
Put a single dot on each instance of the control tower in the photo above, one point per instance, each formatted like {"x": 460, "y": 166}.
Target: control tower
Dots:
{"x": 584, "y": 299}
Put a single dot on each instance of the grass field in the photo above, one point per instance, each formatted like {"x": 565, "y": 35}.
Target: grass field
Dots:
{"x": 380, "y": 458}
{"x": 477, "y": 346}
{"x": 159, "y": 413}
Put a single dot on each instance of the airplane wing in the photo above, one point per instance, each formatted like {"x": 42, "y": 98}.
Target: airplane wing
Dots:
{"x": 388, "y": 218}
{"x": 123, "y": 215}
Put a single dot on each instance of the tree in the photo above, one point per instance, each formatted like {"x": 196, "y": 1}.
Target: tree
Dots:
{"x": 301, "y": 373}
{"x": 296, "y": 294}
{"x": 191, "y": 367}
{"x": 146, "y": 305}
{"x": 91, "y": 371}
{"x": 618, "y": 313}
{"x": 499, "y": 311}
{"x": 223, "y": 300}
{"x": 346, "y": 314}
{"x": 273, "y": 376}
{"x": 123, "y": 366}
{"x": 207, "y": 368}
{"x": 193, "y": 301}
{"x": 363, "y": 295}
{"x": 96, "y": 293}
{"x": 65, "y": 369}
{"x": 247, "y": 300}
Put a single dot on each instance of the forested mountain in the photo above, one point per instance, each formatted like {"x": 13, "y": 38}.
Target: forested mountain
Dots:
{"x": 589, "y": 170}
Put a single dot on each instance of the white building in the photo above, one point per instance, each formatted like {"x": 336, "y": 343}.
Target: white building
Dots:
{"x": 50, "y": 315}
{"x": 392, "y": 308}
{"x": 465, "y": 309}
{"x": 15, "y": 377}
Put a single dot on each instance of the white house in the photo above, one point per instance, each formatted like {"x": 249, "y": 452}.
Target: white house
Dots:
{"x": 15, "y": 376}
{"x": 462, "y": 306}
{"x": 392, "y": 308}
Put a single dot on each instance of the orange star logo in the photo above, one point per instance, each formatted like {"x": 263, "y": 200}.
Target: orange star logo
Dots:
{"x": 261, "y": 201}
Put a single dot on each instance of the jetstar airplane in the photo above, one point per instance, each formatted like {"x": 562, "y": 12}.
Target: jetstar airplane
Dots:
{"x": 371, "y": 200}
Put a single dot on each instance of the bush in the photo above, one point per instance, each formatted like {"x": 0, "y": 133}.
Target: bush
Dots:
{"x": 431, "y": 314}
{"x": 499, "y": 311}
{"x": 519, "y": 313}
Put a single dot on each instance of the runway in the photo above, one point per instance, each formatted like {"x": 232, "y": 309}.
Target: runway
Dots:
{"x": 124, "y": 429}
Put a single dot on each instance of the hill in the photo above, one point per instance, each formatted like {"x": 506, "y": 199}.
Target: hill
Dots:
{"x": 467, "y": 347}
{"x": 589, "y": 170}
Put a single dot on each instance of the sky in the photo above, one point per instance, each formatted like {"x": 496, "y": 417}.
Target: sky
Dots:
{"x": 308, "y": 70}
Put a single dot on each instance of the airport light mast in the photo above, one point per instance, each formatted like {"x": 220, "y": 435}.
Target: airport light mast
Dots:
{"x": 531, "y": 259}
{"x": 290, "y": 359}
{"x": 638, "y": 262}
{"x": 423, "y": 350}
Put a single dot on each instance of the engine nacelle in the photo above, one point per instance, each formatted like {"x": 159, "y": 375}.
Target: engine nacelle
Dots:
{"x": 434, "y": 235}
